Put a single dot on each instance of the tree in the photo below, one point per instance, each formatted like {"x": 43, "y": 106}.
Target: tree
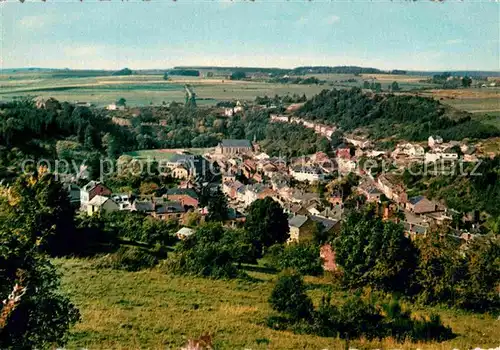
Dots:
{"x": 121, "y": 102}
{"x": 366, "y": 84}
{"x": 124, "y": 71}
{"x": 217, "y": 207}
{"x": 395, "y": 86}
{"x": 375, "y": 253}
{"x": 266, "y": 223}
{"x": 466, "y": 81}
{"x": 165, "y": 76}
{"x": 289, "y": 297}
{"x": 302, "y": 257}
{"x": 239, "y": 75}
{"x": 38, "y": 315}
{"x": 208, "y": 252}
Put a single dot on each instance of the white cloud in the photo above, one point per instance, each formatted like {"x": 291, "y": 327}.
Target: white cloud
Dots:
{"x": 332, "y": 19}
{"x": 454, "y": 41}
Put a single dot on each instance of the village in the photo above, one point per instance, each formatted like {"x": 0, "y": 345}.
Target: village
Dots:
{"x": 313, "y": 190}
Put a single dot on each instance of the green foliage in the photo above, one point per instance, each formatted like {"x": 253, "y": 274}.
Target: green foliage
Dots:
{"x": 467, "y": 279}
{"x": 266, "y": 223}
{"x": 31, "y": 211}
{"x": 140, "y": 228}
{"x": 301, "y": 257}
{"x": 238, "y": 75}
{"x": 124, "y": 71}
{"x": 129, "y": 259}
{"x": 375, "y": 253}
{"x": 353, "y": 319}
{"x": 217, "y": 207}
{"x": 404, "y": 116}
{"x": 209, "y": 252}
{"x": 185, "y": 72}
{"x": 289, "y": 297}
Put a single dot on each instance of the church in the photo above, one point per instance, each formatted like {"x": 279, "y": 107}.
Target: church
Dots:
{"x": 228, "y": 147}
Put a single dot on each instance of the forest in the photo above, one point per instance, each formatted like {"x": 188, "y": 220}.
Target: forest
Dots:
{"x": 399, "y": 116}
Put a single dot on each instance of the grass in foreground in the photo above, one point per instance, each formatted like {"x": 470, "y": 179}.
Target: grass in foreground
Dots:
{"x": 150, "y": 309}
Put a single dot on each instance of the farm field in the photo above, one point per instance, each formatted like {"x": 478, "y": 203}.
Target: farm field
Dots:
{"x": 151, "y": 309}
{"x": 471, "y": 100}
{"x": 140, "y": 90}
{"x": 101, "y": 88}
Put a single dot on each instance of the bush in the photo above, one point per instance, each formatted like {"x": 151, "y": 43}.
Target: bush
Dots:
{"x": 210, "y": 252}
{"x": 129, "y": 259}
{"x": 289, "y": 297}
{"x": 302, "y": 257}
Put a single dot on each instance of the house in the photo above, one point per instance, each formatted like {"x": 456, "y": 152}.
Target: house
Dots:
{"x": 180, "y": 172}
{"x": 187, "y": 197}
{"x": 233, "y": 189}
{"x": 188, "y": 166}
{"x": 409, "y": 150}
{"x": 90, "y": 190}
{"x": 114, "y": 107}
{"x": 301, "y": 228}
{"x": 420, "y": 205}
{"x": 371, "y": 193}
{"x": 228, "y": 147}
{"x": 358, "y": 142}
{"x": 307, "y": 173}
{"x": 433, "y": 141}
{"x": 170, "y": 210}
{"x": 100, "y": 204}
{"x": 391, "y": 189}
{"x": 124, "y": 201}
{"x": 185, "y": 232}
{"x": 431, "y": 157}
{"x": 328, "y": 225}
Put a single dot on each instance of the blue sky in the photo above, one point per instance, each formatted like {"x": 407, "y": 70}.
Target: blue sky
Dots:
{"x": 382, "y": 34}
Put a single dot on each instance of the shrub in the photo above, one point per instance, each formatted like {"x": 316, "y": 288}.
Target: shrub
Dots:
{"x": 302, "y": 257}
{"x": 209, "y": 252}
{"x": 289, "y": 297}
{"x": 128, "y": 258}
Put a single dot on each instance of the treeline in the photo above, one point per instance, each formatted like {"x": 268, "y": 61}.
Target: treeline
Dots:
{"x": 403, "y": 116}
{"x": 335, "y": 70}
{"x": 185, "y": 72}
{"x": 432, "y": 269}
{"x": 297, "y": 80}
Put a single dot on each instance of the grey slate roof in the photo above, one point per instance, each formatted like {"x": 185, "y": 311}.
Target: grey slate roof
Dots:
{"x": 327, "y": 223}
{"x": 415, "y": 200}
{"x": 236, "y": 143}
{"x": 297, "y": 221}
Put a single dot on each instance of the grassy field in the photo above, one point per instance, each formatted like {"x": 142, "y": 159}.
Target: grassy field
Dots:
{"x": 154, "y": 310}
{"x": 166, "y": 154}
{"x": 141, "y": 90}
{"x": 472, "y": 100}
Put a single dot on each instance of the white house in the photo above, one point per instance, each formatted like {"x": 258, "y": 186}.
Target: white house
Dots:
{"x": 307, "y": 173}
{"x": 100, "y": 204}
{"x": 433, "y": 141}
{"x": 431, "y": 157}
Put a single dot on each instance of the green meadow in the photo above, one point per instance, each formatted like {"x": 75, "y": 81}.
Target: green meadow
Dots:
{"x": 155, "y": 310}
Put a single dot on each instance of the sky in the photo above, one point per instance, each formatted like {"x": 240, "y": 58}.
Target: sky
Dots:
{"x": 420, "y": 35}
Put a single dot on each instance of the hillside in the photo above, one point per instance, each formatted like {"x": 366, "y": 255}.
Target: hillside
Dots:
{"x": 387, "y": 115}
{"x": 151, "y": 309}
